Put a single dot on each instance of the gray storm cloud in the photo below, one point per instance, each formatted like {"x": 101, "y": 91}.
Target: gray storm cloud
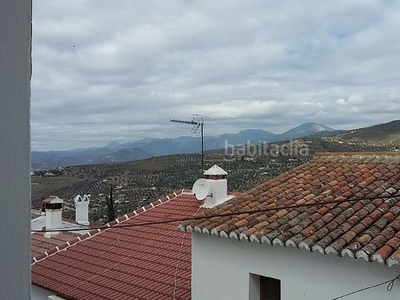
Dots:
{"x": 118, "y": 70}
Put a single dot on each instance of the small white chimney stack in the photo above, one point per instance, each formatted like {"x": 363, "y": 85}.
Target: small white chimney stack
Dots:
{"x": 82, "y": 209}
{"x": 218, "y": 187}
{"x": 53, "y": 207}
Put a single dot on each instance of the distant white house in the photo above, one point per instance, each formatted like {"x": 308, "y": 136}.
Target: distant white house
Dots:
{"x": 314, "y": 252}
{"x": 59, "y": 233}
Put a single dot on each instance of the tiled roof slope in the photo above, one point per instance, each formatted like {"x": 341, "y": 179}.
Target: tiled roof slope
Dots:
{"x": 42, "y": 246}
{"x": 138, "y": 262}
{"x": 368, "y": 229}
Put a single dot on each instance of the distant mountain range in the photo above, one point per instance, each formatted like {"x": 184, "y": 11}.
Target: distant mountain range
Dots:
{"x": 145, "y": 148}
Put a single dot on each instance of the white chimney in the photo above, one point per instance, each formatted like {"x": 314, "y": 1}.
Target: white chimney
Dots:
{"x": 53, "y": 208}
{"x": 82, "y": 209}
{"x": 218, "y": 187}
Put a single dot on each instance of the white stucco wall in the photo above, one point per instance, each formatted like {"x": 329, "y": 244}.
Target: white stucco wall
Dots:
{"x": 221, "y": 270}
{"x": 15, "y": 34}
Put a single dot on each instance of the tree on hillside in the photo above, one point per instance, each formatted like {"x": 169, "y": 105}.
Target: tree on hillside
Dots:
{"x": 110, "y": 206}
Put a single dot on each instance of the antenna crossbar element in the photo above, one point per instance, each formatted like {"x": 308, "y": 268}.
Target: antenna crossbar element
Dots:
{"x": 197, "y": 123}
{"x": 195, "y": 128}
{"x": 185, "y": 122}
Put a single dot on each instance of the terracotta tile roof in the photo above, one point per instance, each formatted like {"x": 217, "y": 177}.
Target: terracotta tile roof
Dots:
{"x": 144, "y": 262}
{"x": 42, "y": 246}
{"x": 368, "y": 229}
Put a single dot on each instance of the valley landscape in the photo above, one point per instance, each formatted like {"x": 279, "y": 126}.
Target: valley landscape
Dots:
{"x": 136, "y": 183}
{"x": 146, "y": 148}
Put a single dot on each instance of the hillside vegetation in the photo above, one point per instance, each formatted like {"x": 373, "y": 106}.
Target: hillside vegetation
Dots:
{"x": 139, "y": 182}
{"x": 387, "y": 134}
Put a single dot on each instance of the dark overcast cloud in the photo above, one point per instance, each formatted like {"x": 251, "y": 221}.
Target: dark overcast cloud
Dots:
{"x": 118, "y": 70}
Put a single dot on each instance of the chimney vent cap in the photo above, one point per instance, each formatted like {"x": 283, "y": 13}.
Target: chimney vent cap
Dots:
{"x": 215, "y": 170}
{"x": 53, "y": 199}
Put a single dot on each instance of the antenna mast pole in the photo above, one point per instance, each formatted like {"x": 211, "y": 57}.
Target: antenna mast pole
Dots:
{"x": 197, "y": 123}
{"x": 202, "y": 148}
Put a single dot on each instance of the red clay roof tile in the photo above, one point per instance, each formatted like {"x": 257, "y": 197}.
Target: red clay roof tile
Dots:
{"x": 366, "y": 228}
{"x": 41, "y": 244}
{"x": 144, "y": 262}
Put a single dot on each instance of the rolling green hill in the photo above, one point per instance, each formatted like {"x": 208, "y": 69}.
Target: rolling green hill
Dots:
{"x": 387, "y": 134}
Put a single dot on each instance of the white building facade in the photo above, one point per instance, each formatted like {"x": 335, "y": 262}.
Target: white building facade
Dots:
{"x": 230, "y": 269}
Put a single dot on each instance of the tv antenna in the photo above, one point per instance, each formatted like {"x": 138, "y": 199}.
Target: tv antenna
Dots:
{"x": 197, "y": 123}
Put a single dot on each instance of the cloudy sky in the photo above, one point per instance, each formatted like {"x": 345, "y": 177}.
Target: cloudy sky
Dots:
{"x": 119, "y": 70}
